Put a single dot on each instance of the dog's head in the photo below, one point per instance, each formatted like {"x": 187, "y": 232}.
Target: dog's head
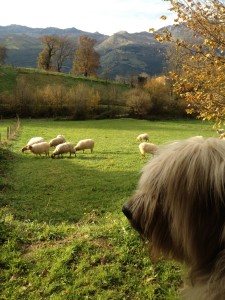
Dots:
{"x": 179, "y": 204}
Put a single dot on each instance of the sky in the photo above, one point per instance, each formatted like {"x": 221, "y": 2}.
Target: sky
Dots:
{"x": 106, "y": 17}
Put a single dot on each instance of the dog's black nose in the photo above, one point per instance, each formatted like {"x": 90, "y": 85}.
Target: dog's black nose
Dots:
{"x": 127, "y": 212}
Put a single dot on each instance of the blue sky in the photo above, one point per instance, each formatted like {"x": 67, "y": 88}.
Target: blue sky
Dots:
{"x": 104, "y": 16}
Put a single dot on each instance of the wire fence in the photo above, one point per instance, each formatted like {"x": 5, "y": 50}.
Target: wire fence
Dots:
{"x": 10, "y": 131}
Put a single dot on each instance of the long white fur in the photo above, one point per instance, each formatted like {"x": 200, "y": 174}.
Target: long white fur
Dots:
{"x": 179, "y": 206}
{"x": 32, "y": 141}
{"x": 57, "y": 140}
{"x": 143, "y": 137}
{"x": 63, "y": 148}
{"x": 40, "y": 148}
{"x": 85, "y": 144}
{"x": 147, "y": 148}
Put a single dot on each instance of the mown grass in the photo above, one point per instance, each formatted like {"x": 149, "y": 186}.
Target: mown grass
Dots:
{"x": 63, "y": 235}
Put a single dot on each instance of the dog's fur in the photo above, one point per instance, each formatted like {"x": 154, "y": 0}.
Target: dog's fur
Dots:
{"x": 179, "y": 207}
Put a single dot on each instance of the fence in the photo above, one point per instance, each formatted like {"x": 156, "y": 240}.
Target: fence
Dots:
{"x": 11, "y": 130}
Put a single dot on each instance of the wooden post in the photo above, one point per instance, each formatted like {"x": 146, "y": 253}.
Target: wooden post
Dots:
{"x": 7, "y": 133}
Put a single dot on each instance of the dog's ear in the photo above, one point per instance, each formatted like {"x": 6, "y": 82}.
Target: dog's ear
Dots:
{"x": 147, "y": 217}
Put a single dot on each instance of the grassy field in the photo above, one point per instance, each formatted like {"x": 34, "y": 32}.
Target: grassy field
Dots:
{"x": 39, "y": 78}
{"x": 63, "y": 235}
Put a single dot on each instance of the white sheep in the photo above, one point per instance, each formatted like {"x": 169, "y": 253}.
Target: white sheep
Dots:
{"x": 40, "y": 148}
{"x": 58, "y": 140}
{"x": 34, "y": 140}
{"x": 143, "y": 137}
{"x": 148, "y": 148}
{"x": 85, "y": 144}
{"x": 63, "y": 148}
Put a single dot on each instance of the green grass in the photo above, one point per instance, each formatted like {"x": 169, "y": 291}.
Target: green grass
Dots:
{"x": 8, "y": 79}
{"x": 4, "y": 124}
{"x": 63, "y": 235}
{"x": 63, "y": 189}
{"x": 40, "y": 78}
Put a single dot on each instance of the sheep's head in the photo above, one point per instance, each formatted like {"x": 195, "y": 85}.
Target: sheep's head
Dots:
{"x": 24, "y": 148}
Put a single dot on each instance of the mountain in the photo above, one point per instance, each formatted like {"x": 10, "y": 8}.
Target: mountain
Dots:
{"x": 122, "y": 54}
{"x": 127, "y": 54}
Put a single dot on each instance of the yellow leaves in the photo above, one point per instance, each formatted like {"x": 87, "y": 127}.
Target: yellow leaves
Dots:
{"x": 189, "y": 111}
{"x": 151, "y": 30}
{"x": 163, "y": 17}
{"x": 159, "y": 38}
{"x": 165, "y": 36}
{"x": 208, "y": 118}
{"x": 188, "y": 87}
{"x": 173, "y": 75}
{"x": 198, "y": 65}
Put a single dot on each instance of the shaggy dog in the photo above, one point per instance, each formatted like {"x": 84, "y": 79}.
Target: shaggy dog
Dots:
{"x": 179, "y": 207}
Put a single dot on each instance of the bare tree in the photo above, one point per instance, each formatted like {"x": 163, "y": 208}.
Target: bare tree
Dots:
{"x": 63, "y": 52}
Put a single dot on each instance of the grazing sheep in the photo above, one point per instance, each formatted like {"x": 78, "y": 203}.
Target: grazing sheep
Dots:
{"x": 40, "y": 148}
{"x": 34, "y": 140}
{"x": 58, "y": 140}
{"x": 143, "y": 137}
{"x": 63, "y": 148}
{"x": 85, "y": 144}
{"x": 148, "y": 148}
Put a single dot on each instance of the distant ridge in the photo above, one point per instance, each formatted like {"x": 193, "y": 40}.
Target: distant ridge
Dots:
{"x": 122, "y": 54}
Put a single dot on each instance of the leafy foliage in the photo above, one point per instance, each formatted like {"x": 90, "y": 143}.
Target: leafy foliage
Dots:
{"x": 202, "y": 77}
{"x": 56, "y": 51}
{"x": 36, "y": 93}
{"x": 86, "y": 60}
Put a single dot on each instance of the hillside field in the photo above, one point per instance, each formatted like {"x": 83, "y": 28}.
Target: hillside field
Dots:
{"x": 63, "y": 235}
{"x": 39, "y": 78}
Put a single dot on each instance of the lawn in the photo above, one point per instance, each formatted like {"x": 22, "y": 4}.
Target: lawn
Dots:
{"x": 63, "y": 235}
{"x": 59, "y": 190}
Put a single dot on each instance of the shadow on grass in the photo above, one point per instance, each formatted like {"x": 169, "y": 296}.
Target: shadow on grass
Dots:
{"x": 63, "y": 190}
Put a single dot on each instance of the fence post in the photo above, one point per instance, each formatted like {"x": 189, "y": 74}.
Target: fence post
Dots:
{"x": 12, "y": 130}
{"x": 8, "y": 130}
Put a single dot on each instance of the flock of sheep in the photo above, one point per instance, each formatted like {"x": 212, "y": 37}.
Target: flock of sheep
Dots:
{"x": 38, "y": 146}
